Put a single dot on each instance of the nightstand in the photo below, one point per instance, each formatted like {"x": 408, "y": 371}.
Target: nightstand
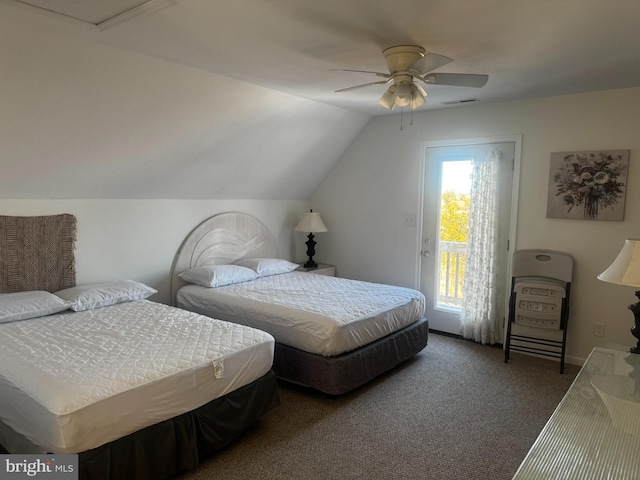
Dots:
{"x": 323, "y": 269}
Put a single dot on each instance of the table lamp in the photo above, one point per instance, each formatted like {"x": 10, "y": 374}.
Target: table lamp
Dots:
{"x": 311, "y": 222}
{"x": 625, "y": 270}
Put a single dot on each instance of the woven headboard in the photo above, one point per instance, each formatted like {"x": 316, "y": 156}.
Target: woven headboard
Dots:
{"x": 36, "y": 253}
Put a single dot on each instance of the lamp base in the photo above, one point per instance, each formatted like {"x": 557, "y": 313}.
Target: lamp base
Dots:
{"x": 311, "y": 251}
{"x": 635, "y": 330}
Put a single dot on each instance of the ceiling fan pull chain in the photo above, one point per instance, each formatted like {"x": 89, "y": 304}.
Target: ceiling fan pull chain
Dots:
{"x": 401, "y": 113}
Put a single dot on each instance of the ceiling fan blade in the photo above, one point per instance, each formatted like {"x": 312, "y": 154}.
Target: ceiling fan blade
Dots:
{"x": 456, "y": 79}
{"x": 430, "y": 62}
{"x": 382, "y": 82}
{"x": 379, "y": 74}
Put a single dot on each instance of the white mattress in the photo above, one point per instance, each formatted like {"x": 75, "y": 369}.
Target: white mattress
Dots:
{"x": 74, "y": 381}
{"x": 315, "y": 313}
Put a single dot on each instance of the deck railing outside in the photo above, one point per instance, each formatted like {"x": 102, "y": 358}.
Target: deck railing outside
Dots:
{"x": 453, "y": 258}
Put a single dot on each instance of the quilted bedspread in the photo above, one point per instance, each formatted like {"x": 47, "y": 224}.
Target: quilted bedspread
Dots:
{"x": 316, "y": 313}
{"x": 76, "y": 372}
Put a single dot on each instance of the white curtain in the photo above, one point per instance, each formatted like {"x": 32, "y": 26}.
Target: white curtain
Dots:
{"x": 480, "y": 300}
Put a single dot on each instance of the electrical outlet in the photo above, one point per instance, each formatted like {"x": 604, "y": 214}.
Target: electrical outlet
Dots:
{"x": 599, "y": 330}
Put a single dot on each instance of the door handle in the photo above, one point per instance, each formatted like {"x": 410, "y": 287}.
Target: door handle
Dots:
{"x": 426, "y": 253}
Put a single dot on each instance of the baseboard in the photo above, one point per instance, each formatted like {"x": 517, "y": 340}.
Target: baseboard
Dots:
{"x": 445, "y": 334}
{"x": 579, "y": 361}
{"x": 460, "y": 337}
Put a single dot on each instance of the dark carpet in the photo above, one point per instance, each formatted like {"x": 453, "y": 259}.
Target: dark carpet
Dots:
{"x": 455, "y": 411}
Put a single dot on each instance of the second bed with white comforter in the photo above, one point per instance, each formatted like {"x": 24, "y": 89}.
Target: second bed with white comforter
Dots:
{"x": 332, "y": 334}
{"x": 314, "y": 313}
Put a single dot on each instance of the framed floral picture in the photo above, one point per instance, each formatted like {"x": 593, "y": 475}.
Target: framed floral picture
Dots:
{"x": 588, "y": 185}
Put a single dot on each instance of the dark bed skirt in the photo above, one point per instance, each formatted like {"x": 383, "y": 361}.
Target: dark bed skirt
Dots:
{"x": 178, "y": 444}
{"x": 342, "y": 373}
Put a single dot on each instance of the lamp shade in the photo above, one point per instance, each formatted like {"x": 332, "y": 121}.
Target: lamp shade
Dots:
{"x": 387, "y": 100}
{"x": 417, "y": 97}
{"x": 402, "y": 97}
{"x": 311, "y": 222}
{"x": 625, "y": 269}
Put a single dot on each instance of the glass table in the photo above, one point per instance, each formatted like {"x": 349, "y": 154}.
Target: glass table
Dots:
{"x": 594, "y": 432}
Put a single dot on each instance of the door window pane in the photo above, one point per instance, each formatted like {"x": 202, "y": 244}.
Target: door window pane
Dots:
{"x": 455, "y": 201}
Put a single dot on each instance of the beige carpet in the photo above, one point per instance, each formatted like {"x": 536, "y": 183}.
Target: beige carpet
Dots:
{"x": 455, "y": 411}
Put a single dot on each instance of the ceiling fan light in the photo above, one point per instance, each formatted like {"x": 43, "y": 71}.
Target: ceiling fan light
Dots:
{"x": 417, "y": 97}
{"x": 407, "y": 64}
{"x": 402, "y": 97}
{"x": 418, "y": 102}
{"x": 387, "y": 100}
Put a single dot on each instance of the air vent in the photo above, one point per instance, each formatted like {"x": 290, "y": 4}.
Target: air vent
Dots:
{"x": 455, "y": 102}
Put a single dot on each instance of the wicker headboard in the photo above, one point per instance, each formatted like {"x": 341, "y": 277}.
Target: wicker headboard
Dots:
{"x": 36, "y": 253}
{"x": 221, "y": 239}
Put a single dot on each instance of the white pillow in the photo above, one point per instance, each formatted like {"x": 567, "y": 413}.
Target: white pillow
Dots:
{"x": 268, "y": 266}
{"x": 218, "y": 275}
{"x": 96, "y": 295}
{"x": 32, "y": 304}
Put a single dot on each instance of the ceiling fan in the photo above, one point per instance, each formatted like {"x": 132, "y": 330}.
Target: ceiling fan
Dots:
{"x": 407, "y": 63}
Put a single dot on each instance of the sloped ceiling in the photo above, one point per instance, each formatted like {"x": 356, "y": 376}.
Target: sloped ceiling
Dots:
{"x": 235, "y": 98}
{"x": 80, "y": 119}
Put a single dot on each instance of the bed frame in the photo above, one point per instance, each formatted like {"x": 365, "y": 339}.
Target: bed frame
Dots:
{"x": 158, "y": 451}
{"x": 228, "y": 237}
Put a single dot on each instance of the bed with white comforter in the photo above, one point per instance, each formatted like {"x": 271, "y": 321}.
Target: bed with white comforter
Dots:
{"x": 318, "y": 314}
{"x": 74, "y": 381}
{"x": 332, "y": 334}
{"x": 137, "y": 389}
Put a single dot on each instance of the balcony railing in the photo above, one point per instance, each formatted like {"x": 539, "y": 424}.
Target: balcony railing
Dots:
{"x": 453, "y": 259}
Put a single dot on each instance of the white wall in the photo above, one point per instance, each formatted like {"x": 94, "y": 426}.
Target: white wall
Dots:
{"x": 138, "y": 239}
{"x": 81, "y": 119}
{"x": 364, "y": 198}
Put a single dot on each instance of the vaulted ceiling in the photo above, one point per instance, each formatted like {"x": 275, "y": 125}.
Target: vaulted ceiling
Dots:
{"x": 236, "y": 98}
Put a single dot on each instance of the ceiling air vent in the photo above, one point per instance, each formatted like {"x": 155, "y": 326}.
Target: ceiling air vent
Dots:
{"x": 455, "y": 102}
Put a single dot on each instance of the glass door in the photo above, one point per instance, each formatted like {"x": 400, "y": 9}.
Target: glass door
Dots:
{"x": 446, "y": 202}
